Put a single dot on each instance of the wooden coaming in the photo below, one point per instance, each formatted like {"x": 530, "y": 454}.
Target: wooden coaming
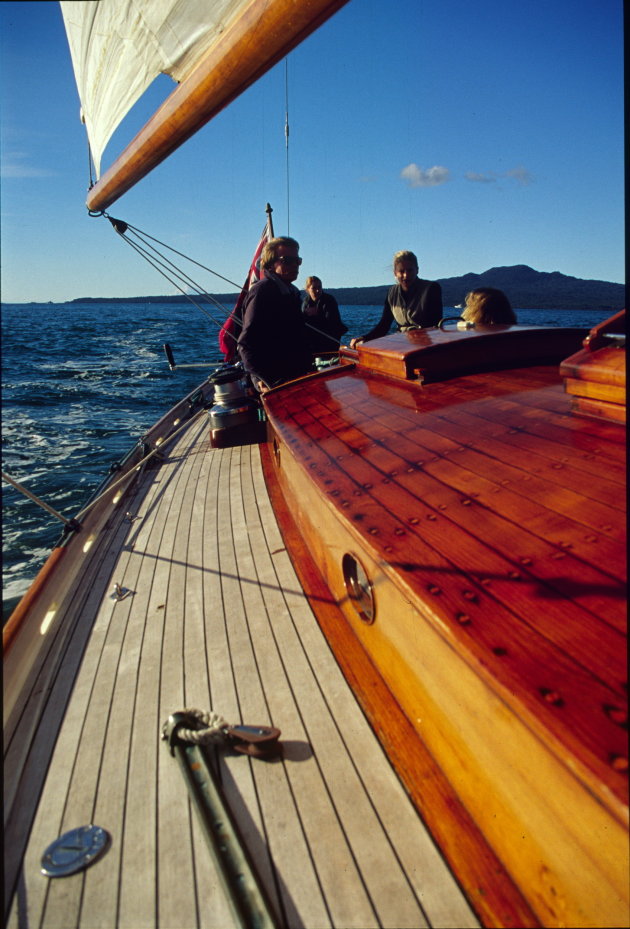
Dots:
{"x": 435, "y": 354}
{"x": 488, "y": 518}
{"x": 595, "y": 376}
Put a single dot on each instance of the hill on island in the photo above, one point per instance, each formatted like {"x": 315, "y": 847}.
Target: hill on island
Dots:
{"x": 525, "y": 287}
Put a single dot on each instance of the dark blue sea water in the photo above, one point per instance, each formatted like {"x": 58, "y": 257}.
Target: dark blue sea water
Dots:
{"x": 82, "y": 382}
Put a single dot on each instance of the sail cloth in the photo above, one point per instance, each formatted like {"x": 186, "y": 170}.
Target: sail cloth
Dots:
{"x": 119, "y": 47}
{"x": 215, "y": 48}
{"x": 232, "y": 327}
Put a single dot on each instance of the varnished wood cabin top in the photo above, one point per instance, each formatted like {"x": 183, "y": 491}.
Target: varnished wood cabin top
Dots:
{"x": 504, "y": 511}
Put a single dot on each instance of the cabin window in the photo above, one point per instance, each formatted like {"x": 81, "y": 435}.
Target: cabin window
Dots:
{"x": 359, "y": 588}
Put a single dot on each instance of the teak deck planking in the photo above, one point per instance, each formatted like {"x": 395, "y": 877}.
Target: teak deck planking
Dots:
{"x": 216, "y": 617}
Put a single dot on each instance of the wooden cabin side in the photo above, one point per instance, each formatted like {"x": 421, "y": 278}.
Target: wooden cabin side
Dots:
{"x": 528, "y": 733}
{"x": 595, "y": 376}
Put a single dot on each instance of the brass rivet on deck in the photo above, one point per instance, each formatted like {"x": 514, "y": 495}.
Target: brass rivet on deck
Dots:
{"x": 514, "y": 575}
{"x": 551, "y": 696}
{"x": 414, "y": 520}
{"x": 373, "y": 531}
{"x": 617, "y": 714}
{"x": 526, "y": 560}
{"x": 431, "y": 516}
{"x": 434, "y": 589}
{"x": 466, "y": 502}
{"x": 463, "y": 618}
{"x": 485, "y": 581}
{"x": 619, "y": 763}
{"x": 399, "y": 531}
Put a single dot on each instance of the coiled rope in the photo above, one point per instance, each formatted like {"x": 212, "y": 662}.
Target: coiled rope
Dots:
{"x": 213, "y": 729}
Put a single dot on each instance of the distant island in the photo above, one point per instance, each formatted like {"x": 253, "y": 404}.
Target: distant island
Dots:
{"x": 526, "y": 288}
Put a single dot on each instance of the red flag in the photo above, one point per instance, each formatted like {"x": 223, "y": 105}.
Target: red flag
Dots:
{"x": 232, "y": 326}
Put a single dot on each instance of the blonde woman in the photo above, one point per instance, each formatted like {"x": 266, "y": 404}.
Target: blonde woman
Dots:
{"x": 412, "y": 303}
{"x": 488, "y": 306}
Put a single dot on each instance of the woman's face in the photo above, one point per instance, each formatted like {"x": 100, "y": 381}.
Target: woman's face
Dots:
{"x": 314, "y": 290}
{"x": 405, "y": 273}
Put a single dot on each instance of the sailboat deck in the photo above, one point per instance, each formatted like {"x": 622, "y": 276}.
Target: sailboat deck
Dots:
{"x": 487, "y": 521}
{"x": 216, "y": 618}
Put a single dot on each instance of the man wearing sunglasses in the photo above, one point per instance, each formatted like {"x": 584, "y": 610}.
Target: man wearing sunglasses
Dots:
{"x": 273, "y": 344}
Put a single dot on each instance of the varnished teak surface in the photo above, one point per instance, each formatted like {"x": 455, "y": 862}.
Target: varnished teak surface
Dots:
{"x": 489, "y": 520}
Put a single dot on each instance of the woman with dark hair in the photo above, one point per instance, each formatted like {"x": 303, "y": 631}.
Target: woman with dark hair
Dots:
{"x": 321, "y": 315}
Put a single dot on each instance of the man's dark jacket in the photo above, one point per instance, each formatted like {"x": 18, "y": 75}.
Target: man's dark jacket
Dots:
{"x": 273, "y": 344}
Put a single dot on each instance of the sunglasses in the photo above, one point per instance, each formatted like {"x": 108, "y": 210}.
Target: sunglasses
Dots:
{"x": 289, "y": 260}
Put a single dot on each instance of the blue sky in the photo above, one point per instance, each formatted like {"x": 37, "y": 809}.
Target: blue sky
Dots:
{"x": 475, "y": 134}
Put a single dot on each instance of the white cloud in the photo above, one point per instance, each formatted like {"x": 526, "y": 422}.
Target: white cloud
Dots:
{"x": 521, "y": 175}
{"x": 12, "y": 165}
{"x": 417, "y": 177}
{"x": 489, "y": 178}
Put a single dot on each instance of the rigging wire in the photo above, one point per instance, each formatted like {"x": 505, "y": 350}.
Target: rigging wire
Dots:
{"x": 286, "y": 135}
{"x": 140, "y": 232}
{"x": 172, "y": 273}
{"x": 38, "y": 500}
{"x": 176, "y": 276}
{"x": 169, "y": 270}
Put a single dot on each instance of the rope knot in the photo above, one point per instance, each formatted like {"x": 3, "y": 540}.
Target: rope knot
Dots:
{"x": 197, "y": 727}
{"x": 201, "y": 728}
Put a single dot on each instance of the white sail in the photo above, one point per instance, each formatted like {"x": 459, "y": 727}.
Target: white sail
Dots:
{"x": 119, "y": 48}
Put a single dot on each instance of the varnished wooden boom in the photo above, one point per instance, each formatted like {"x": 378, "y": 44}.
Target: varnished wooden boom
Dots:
{"x": 237, "y": 60}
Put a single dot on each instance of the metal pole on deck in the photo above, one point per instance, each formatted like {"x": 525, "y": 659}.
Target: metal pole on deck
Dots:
{"x": 244, "y": 890}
